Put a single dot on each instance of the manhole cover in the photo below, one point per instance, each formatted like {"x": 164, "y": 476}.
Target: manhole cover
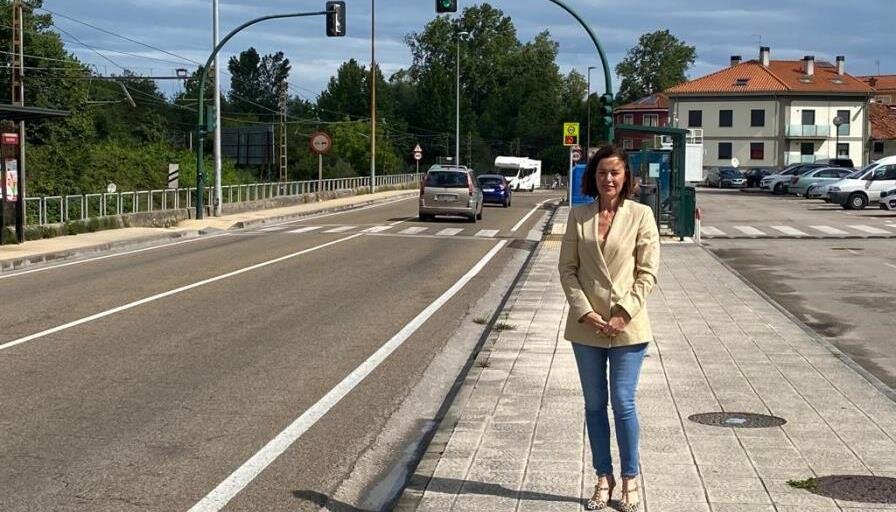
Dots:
{"x": 737, "y": 420}
{"x": 865, "y": 489}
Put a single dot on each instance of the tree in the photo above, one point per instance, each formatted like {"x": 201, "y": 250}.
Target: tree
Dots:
{"x": 658, "y": 62}
{"x": 256, "y": 81}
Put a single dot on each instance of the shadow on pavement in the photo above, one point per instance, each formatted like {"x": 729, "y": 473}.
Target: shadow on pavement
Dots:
{"x": 861, "y": 488}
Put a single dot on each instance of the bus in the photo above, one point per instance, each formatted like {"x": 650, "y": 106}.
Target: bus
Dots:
{"x": 522, "y": 173}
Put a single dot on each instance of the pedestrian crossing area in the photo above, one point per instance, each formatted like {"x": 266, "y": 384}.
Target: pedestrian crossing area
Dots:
{"x": 886, "y": 230}
{"x": 385, "y": 229}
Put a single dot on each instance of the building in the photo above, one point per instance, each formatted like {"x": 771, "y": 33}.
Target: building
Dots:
{"x": 884, "y": 87}
{"x": 652, "y": 110}
{"x": 771, "y": 113}
{"x": 883, "y": 131}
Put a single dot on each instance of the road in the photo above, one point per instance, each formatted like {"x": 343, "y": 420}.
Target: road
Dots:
{"x": 147, "y": 381}
{"x": 838, "y": 277}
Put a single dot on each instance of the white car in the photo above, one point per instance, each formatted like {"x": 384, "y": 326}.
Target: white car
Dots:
{"x": 888, "y": 199}
{"x": 778, "y": 183}
{"x": 856, "y": 194}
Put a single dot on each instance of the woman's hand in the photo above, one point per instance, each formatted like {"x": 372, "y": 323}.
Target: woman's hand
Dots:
{"x": 595, "y": 321}
{"x": 616, "y": 324}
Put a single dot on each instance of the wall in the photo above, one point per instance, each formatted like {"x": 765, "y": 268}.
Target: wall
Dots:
{"x": 825, "y": 111}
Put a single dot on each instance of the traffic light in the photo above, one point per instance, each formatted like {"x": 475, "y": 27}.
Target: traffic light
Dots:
{"x": 335, "y": 19}
{"x": 605, "y": 110}
{"x": 443, "y": 6}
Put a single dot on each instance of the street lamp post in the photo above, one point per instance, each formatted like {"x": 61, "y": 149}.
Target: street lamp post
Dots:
{"x": 588, "y": 107}
{"x": 837, "y": 122}
{"x": 372, "y": 96}
{"x": 460, "y": 35}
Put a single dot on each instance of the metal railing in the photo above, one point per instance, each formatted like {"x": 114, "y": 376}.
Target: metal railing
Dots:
{"x": 56, "y": 209}
{"x": 797, "y": 158}
{"x": 808, "y": 130}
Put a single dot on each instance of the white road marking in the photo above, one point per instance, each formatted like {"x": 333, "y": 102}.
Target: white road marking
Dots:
{"x": 239, "y": 479}
{"x": 829, "y": 230}
{"x": 533, "y": 210}
{"x": 749, "y": 230}
{"x": 304, "y": 229}
{"x": 449, "y": 231}
{"x": 377, "y": 229}
{"x": 788, "y": 230}
{"x": 711, "y": 231}
{"x": 413, "y": 230}
{"x": 487, "y": 233}
{"x": 340, "y": 229}
{"x": 273, "y": 228}
{"x": 869, "y": 229}
{"x": 116, "y": 255}
{"x": 341, "y": 212}
{"x": 169, "y": 293}
{"x": 890, "y": 265}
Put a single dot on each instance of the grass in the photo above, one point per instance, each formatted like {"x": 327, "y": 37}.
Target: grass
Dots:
{"x": 808, "y": 484}
{"x": 481, "y": 320}
{"x": 503, "y": 326}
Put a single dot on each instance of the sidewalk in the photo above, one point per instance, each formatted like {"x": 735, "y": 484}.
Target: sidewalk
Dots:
{"x": 68, "y": 247}
{"x": 514, "y": 437}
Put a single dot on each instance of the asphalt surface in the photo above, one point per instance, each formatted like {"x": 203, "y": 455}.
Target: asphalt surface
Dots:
{"x": 153, "y": 405}
{"x": 842, "y": 288}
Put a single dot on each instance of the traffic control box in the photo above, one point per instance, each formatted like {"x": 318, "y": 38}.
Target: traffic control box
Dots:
{"x": 687, "y": 212}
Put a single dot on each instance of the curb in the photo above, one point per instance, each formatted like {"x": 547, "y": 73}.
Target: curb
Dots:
{"x": 836, "y": 352}
{"x": 434, "y": 441}
{"x": 291, "y": 216}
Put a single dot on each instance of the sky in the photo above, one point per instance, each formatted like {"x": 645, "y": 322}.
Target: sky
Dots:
{"x": 861, "y": 30}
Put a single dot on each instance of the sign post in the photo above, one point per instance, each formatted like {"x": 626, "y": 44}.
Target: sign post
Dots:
{"x": 321, "y": 143}
{"x": 9, "y": 183}
{"x": 570, "y": 134}
{"x": 418, "y": 155}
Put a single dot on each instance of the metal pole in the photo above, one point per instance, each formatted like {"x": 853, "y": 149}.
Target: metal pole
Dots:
{"x": 19, "y": 90}
{"x": 457, "y": 99}
{"x": 588, "y": 107}
{"x": 372, "y": 96}
{"x": 320, "y": 171}
{"x": 217, "y": 146}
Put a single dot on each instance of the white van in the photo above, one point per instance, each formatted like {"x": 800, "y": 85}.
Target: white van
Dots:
{"x": 856, "y": 194}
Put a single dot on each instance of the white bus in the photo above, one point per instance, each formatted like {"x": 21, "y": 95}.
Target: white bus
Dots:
{"x": 522, "y": 173}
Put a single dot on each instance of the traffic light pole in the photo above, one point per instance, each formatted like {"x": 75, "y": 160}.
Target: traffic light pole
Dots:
{"x": 200, "y": 126}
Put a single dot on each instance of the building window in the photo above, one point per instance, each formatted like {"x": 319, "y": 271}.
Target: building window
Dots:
{"x": 628, "y": 119}
{"x": 807, "y": 148}
{"x": 843, "y": 149}
{"x": 757, "y": 151}
{"x": 628, "y": 144}
{"x": 808, "y": 117}
{"x": 650, "y": 120}
{"x": 695, "y": 118}
{"x": 757, "y": 117}
{"x": 724, "y": 150}
{"x": 844, "y": 117}
{"x": 878, "y": 147}
{"x": 726, "y": 118}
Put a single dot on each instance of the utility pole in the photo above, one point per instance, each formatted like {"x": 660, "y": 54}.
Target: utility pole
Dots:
{"x": 457, "y": 97}
{"x": 372, "y": 96}
{"x": 469, "y": 147}
{"x": 18, "y": 99}
{"x": 284, "y": 99}
{"x": 217, "y": 206}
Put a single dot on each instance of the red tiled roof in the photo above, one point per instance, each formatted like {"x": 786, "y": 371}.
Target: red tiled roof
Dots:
{"x": 883, "y": 122}
{"x": 658, "y": 101}
{"x": 880, "y": 82}
{"x": 780, "y": 76}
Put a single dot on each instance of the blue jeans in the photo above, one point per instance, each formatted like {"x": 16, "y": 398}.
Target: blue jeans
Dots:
{"x": 624, "y": 368}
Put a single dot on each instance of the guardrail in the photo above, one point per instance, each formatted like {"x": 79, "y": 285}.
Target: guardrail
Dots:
{"x": 55, "y": 209}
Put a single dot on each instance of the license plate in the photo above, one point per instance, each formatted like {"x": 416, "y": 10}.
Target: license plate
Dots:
{"x": 446, "y": 197}
{"x": 488, "y": 190}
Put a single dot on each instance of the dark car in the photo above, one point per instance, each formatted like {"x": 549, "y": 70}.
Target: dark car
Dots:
{"x": 495, "y": 189}
{"x": 836, "y": 162}
{"x": 754, "y": 176}
{"x": 723, "y": 177}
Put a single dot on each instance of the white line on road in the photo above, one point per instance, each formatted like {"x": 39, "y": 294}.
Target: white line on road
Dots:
{"x": 749, "y": 230}
{"x": 340, "y": 229}
{"x": 869, "y": 229}
{"x": 449, "y": 231}
{"x": 533, "y": 210}
{"x": 239, "y": 479}
{"x": 169, "y": 293}
{"x": 711, "y": 231}
{"x": 829, "y": 230}
{"x": 377, "y": 229}
{"x": 273, "y": 228}
{"x": 890, "y": 265}
{"x": 487, "y": 233}
{"x": 341, "y": 212}
{"x": 413, "y": 230}
{"x": 788, "y": 230}
{"x": 116, "y": 255}
{"x": 304, "y": 229}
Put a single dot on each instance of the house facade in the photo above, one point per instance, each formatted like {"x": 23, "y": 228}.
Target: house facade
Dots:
{"x": 884, "y": 88}
{"x": 883, "y": 131}
{"x": 651, "y": 110}
{"x": 769, "y": 113}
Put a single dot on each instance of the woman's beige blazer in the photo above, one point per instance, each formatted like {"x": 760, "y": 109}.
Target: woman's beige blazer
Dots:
{"x": 621, "y": 276}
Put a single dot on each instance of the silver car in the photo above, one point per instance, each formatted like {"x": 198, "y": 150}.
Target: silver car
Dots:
{"x": 450, "y": 191}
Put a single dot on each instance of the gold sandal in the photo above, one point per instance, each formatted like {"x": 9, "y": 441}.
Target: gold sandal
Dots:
{"x": 603, "y": 491}
{"x": 630, "y": 500}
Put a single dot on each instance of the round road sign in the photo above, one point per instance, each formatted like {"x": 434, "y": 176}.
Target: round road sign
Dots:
{"x": 111, "y": 188}
{"x": 735, "y": 162}
{"x": 576, "y": 155}
{"x": 321, "y": 143}
{"x": 418, "y": 155}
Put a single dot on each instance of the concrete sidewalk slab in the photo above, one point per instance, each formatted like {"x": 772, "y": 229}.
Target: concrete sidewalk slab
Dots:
{"x": 62, "y": 248}
{"x": 514, "y": 439}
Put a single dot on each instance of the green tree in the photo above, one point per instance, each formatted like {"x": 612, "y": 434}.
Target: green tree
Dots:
{"x": 256, "y": 81}
{"x": 658, "y": 62}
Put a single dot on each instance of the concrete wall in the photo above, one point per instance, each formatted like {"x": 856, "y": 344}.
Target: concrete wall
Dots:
{"x": 825, "y": 111}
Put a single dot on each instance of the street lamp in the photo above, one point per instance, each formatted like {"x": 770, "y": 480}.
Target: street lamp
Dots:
{"x": 372, "y": 96}
{"x": 588, "y": 107}
{"x": 837, "y": 122}
{"x": 460, "y": 35}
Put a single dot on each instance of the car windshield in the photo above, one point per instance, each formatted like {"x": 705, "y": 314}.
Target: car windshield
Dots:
{"x": 509, "y": 173}
{"x": 731, "y": 173}
{"x": 854, "y": 175}
{"x": 446, "y": 179}
{"x": 490, "y": 181}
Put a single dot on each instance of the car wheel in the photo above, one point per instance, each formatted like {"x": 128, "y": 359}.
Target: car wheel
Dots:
{"x": 857, "y": 201}
{"x": 506, "y": 203}
{"x": 424, "y": 217}
{"x": 779, "y": 189}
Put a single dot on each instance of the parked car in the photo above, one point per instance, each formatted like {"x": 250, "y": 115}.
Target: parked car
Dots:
{"x": 722, "y": 177}
{"x": 778, "y": 183}
{"x": 821, "y": 191}
{"x": 495, "y": 189}
{"x": 450, "y": 191}
{"x": 754, "y": 176}
{"x": 856, "y": 194}
{"x": 888, "y": 199}
{"x": 815, "y": 178}
{"x": 836, "y": 162}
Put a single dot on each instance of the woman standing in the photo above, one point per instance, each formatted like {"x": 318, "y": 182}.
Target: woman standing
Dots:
{"x": 608, "y": 265}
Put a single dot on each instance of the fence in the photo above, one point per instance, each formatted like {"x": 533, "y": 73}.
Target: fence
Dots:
{"x": 55, "y": 209}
